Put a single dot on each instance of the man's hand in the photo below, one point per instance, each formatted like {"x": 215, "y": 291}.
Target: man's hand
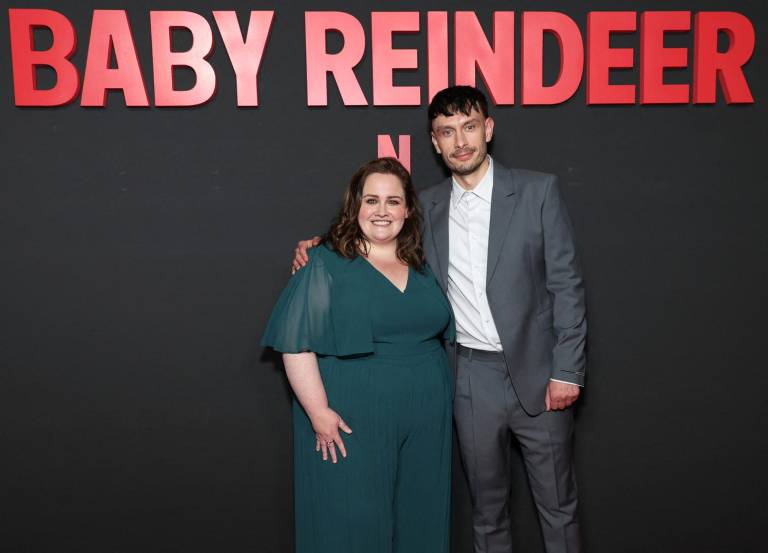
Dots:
{"x": 300, "y": 257}
{"x": 560, "y": 395}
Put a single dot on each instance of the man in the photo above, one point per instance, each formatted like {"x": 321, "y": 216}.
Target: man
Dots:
{"x": 500, "y": 242}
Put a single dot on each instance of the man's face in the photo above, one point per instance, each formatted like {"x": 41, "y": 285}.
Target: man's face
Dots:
{"x": 462, "y": 140}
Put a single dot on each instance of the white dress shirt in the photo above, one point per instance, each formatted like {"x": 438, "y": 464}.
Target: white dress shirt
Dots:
{"x": 469, "y": 223}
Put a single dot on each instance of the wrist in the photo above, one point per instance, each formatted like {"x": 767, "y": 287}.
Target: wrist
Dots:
{"x": 568, "y": 377}
{"x": 316, "y": 411}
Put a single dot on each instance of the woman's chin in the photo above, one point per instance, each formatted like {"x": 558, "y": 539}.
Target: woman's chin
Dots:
{"x": 380, "y": 238}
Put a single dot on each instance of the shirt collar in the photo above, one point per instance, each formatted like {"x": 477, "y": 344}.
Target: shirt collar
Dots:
{"x": 483, "y": 190}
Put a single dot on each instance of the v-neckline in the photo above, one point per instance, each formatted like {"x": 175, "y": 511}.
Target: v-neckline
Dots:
{"x": 386, "y": 278}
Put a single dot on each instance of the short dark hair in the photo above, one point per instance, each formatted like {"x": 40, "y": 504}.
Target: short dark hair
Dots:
{"x": 457, "y": 99}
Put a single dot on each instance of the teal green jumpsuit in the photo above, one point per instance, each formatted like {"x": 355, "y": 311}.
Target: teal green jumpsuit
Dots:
{"x": 385, "y": 372}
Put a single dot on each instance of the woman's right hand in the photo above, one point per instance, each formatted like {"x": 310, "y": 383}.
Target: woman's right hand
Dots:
{"x": 300, "y": 257}
{"x": 326, "y": 424}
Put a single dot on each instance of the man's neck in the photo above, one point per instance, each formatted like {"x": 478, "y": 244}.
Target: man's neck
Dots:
{"x": 470, "y": 181}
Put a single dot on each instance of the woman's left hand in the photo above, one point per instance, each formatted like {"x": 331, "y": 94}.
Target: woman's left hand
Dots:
{"x": 326, "y": 424}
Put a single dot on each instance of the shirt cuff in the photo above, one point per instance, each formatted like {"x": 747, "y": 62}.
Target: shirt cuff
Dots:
{"x": 564, "y": 382}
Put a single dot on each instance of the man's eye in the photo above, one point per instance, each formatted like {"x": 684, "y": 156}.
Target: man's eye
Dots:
{"x": 446, "y": 133}
{"x": 470, "y": 127}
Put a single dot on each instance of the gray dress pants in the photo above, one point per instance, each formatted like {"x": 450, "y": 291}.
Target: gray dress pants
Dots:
{"x": 488, "y": 416}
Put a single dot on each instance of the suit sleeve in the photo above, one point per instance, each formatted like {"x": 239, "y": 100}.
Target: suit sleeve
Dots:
{"x": 564, "y": 282}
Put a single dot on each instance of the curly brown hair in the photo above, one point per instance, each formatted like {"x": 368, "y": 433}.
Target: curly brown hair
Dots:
{"x": 345, "y": 236}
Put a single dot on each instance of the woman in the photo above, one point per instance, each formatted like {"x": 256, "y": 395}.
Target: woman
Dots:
{"x": 361, "y": 330}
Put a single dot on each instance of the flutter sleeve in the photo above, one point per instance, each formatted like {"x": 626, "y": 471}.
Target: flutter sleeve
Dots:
{"x": 301, "y": 320}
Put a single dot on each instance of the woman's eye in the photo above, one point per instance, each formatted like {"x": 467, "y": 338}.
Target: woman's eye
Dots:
{"x": 394, "y": 202}
{"x": 370, "y": 201}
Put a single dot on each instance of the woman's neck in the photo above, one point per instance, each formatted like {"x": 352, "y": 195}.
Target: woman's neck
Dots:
{"x": 385, "y": 252}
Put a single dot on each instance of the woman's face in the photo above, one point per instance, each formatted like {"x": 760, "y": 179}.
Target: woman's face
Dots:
{"x": 382, "y": 209}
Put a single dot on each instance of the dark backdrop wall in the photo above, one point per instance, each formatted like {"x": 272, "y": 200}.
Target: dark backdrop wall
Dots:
{"x": 142, "y": 250}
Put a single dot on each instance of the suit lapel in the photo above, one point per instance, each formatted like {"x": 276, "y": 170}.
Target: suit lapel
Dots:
{"x": 438, "y": 220}
{"x": 503, "y": 202}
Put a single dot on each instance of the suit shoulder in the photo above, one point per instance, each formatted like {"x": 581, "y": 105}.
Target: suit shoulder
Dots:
{"x": 431, "y": 192}
{"x": 533, "y": 184}
{"x": 534, "y": 178}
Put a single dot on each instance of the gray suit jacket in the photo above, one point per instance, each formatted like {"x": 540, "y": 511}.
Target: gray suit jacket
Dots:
{"x": 534, "y": 284}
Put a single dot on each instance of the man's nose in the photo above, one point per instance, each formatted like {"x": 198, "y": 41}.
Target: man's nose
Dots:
{"x": 461, "y": 139}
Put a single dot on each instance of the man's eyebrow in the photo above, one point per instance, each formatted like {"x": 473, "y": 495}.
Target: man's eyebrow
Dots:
{"x": 473, "y": 120}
